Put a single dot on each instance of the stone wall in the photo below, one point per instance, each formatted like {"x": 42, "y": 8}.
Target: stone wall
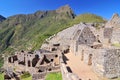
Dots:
{"x": 112, "y": 63}
{"x": 86, "y": 36}
{"x": 72, "y": 47}
{"x": 42, "y": 75}
{"x": 66, "y": 75}
{"x": 38, "y": 76}
{"x": 92, "y": 57}
{"x": 44, "y": 68}
{"x": 106, "y": 62}
{"x": 98, "y": 62}
{"x": 108, "y": 33}
{"x": 114, "y": 21}
{"x": 85, "y": 51}
{"x": 116, "y": 36}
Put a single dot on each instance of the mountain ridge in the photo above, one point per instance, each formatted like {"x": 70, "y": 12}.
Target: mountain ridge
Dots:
{"x": 28, "y": 31}
{"x": 21, "y": 28}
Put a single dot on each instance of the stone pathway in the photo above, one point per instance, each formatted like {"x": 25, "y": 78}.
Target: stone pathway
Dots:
{"x": 78, "y": 67}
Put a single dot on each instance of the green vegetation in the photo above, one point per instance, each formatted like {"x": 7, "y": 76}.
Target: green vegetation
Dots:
{"x": 1, "y": 76}
{"x": 26, "y": 76}
{"x": 116, "y": 44}
{"x": 29, "y": 78}
{"x": 118, "y": 79}
{"x": 54, "y": 76}
{"x": 1, "y": 61}
{"x": 28, "y": 32}
{"x": 115, "y": 79}
{"x": 87, "y": 17}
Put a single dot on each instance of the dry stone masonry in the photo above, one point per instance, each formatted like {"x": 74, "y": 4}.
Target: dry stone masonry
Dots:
{"x": 38, "y": 64}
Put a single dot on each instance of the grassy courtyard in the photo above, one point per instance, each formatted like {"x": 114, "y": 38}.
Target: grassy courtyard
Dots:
{"x": 54, "y": 76}
{"x": 26, "y": 76}
{"x": 29, "y": 78}
{"x": 1, "y": 76}
{"x": 116, "y": 44}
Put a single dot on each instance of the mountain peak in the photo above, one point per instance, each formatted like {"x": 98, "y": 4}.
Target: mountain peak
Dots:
{"x": 66, "y": 6}
{"x": 66, "y": 9}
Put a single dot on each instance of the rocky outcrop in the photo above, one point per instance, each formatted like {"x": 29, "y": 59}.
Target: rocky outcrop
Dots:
{"x": 2, "y": 18}
{"x": 66, "y": 9}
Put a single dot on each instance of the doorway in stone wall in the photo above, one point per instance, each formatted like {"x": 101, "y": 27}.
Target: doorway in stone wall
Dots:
{"x": 90, "y": 59}
{"x": 29, "y": 63}
{"x": 82, "y": 55}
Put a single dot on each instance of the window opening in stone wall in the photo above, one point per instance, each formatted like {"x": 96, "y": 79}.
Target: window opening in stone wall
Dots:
{"x": 90, "y": 59}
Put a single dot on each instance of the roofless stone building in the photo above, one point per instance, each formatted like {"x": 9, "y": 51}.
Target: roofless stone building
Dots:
{"x": 96, "y": 47}
{"x": 37, "y": 63}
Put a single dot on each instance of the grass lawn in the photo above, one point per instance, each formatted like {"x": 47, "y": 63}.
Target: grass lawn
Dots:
{"x": 116, "y": 44}
{"x": 29, "y": 78}
{"x": 54, "y": 76}
{"x": 26, "y": 76}
{"x": 1, "y": 76}
{"x": 115, "y": 79}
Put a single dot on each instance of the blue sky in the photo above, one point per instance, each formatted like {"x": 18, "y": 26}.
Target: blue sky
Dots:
{"x": 104, "y": 8}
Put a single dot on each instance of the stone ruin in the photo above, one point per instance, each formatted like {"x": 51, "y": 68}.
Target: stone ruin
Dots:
{"x": 37, "y": 63}
{"x": 94, "y": 45}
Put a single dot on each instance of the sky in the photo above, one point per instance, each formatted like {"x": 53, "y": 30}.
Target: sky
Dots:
{"x": 104, "y": 8}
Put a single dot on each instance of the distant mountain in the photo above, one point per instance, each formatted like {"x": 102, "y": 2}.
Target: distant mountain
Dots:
{"x": 2, "y": 18}
{"x": 28, "y": 32}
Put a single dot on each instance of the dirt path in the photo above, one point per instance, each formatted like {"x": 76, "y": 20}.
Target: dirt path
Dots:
{"x": 78, "y": 67}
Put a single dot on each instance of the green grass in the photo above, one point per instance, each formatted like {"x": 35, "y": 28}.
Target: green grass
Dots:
{"x": 1, "y": 76}
{"x": 87, "y": 17}
{"x": 118, "y": 79}
{"x": 29, "y": 78}
{"x": 54, "y": 76}
{"x": 115, "y": 79}
{"x": 116, "y": 44}
{"x": 26, "y": 76}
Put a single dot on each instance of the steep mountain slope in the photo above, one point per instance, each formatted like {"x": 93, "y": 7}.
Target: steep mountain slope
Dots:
{"x": 87, "y": 18}
{"x": 2, "y": 18}
{"x": 28, "y": 32}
